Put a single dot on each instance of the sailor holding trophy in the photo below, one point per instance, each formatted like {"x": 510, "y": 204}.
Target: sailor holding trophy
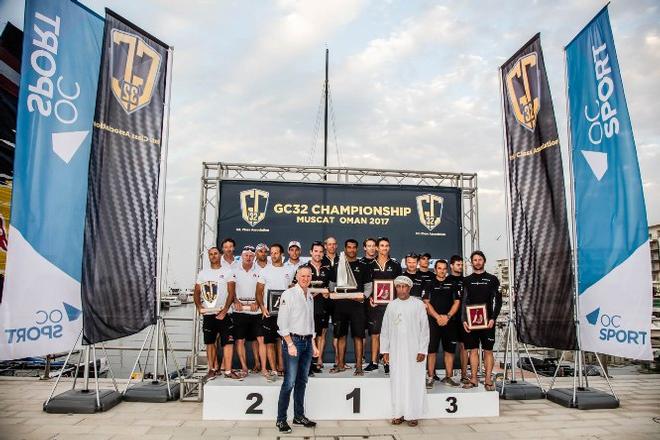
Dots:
{"x": 352, "y": 286}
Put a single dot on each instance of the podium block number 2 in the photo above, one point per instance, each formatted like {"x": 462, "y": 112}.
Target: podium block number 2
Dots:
{"x": 254, "y": 408}
{"x": 355, "y": 395}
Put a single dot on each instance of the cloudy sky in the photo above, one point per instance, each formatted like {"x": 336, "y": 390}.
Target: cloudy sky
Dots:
{"x": 414, "y": 86}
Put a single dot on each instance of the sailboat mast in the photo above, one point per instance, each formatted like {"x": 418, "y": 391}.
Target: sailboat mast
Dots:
{"x": 325, "y": 118}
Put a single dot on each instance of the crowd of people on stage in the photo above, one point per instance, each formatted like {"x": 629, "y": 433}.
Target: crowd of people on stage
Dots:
{"x": 307, "y": 311}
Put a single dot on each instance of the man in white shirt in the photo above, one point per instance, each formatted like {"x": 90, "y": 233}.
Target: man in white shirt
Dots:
{"x": 261, "y": 256}
{"x": 215, "y": 289}
{"x": 228, "y": 245}
{"x": 274, "y": 277}
{"x": 247, "y": 314}
{"x": 294, "y": 257}
{"x": 296, "y": 326}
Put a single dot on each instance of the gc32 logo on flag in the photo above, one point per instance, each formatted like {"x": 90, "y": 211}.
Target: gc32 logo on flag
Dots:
{"x": 523, "y": 85}
{"x": 429, "y": 208}
{"x": 134, "y": 69}
{"x": 254, "y": 203}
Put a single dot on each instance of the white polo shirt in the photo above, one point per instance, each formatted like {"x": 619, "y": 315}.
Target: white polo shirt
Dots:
{"x": 296, "y": 313}
{"x": 226, "y": 265}
{"x": 246, "y": 286}
{"x": 293, "y": 267}
{"x": 274, "y": 277}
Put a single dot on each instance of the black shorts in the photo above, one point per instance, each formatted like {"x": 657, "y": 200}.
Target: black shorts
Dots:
{"x": 320, "y": 322}
{"x": 247, "y": 326}
{"x": 212, "y": 327}
{"x": 270, "y": 329}
{"x": 375, "y": 318}
{"x": 485, "y": 337}
{"x": 348, "y": 313}
{"x": 448, "y": 335}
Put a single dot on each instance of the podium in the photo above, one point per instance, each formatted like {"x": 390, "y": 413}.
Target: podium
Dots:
{"x": 340, "y": 396}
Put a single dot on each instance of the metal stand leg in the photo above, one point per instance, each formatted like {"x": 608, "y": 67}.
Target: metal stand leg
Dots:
{"x": 554, "y": 376}
{"x": 112, "y": 375}
{"x": 66, "y": 361}
{"x": 137, "y": 359}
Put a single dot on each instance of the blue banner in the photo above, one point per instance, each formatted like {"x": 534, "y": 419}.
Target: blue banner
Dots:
{"x": 613, "y": 258}
{"x": 60, "y": 68}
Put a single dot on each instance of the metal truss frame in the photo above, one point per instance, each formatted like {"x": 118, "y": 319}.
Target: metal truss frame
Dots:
{"x": 213, "y": 173}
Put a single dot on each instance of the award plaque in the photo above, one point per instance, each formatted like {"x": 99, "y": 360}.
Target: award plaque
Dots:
{"x": 209, "y": 296}
{"x": 274, "y": 297}
{"x": 383, "y": 291}
{"x": 477, "y": 316}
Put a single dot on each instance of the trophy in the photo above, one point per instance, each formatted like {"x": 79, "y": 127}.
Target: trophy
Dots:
{"x": 273, "y": 301}
{"x": 210, "y": 298}
{"x": 345, "y": 281}
{"x": 316, "y": 287}
{"x": 383, "y": 291}
{"x": 477, "y": 316}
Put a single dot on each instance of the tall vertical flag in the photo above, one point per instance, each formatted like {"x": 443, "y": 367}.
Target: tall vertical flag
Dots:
{"x": 613, "y": 257}
{"x": 40, "y": 309}
{"x": 119, "y": 290}
{"x": 543, "y": 281}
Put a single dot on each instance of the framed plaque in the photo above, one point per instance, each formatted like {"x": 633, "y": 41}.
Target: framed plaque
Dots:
{"x": 273, "y": 300}
{"x": 477, "y": 316}
{"x": 383, "y": 291}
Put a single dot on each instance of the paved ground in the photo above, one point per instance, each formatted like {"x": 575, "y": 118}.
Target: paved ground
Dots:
{"x": 21, "y": 417}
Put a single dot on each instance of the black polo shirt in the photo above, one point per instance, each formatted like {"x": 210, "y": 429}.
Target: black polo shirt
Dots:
{"x": 482, "y": 288}
{"x": 320, "y": 279}
{"x": 389, "y": 271}
{"x": 419, "y": 284}
{"x": 442, "y": 294}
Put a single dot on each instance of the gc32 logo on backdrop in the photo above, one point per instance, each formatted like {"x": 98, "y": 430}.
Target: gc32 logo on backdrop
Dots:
{"x": 134, "y": 69}
{"x": 254, "y": 203}
{"x": 523, "y": 82}
{"x": 429, "y": 209}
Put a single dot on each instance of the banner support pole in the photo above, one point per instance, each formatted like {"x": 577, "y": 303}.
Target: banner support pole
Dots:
{"x": 598, "y": 399}
{"x": 520, "y": 390}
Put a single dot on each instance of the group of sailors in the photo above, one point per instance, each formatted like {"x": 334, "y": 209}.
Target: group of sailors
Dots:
{"x": 240, "y": 286}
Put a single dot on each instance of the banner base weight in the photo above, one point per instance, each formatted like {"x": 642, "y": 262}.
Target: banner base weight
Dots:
{"x": 519, "y": 390}
{"x": 82, "y": 402}
{"x": 152, "y": 391}
{"x": 585, "y": 398}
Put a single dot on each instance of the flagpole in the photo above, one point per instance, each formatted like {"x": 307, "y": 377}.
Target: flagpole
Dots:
{"x": 507, "y": 185}
{"x": 165, "y": 135}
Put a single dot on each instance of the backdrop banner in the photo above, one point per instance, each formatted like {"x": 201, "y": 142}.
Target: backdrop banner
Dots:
{"x": 414, "y": 218}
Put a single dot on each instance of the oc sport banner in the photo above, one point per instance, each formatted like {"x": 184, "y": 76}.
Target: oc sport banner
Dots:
{"x": 613, "y": 255}
{"x": 40, "y": 309}
{"x": 414, "y": 218}
{"x": 119, "y": 291}
{"x": 543, "y": 273}
{"x": 11, "y": 42}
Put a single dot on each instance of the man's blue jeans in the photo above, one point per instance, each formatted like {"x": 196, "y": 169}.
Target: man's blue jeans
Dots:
{"x": 296, "y": 371}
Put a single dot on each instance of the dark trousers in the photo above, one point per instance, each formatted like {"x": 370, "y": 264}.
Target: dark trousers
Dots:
{"x": 296, "y": 371}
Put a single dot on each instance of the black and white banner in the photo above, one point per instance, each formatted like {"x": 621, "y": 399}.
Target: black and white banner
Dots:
{"x": 543, "y": 273}
{"x": 119, "y": 291}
